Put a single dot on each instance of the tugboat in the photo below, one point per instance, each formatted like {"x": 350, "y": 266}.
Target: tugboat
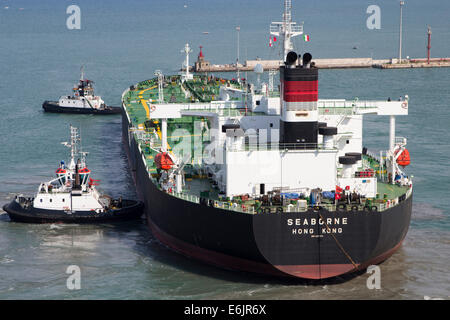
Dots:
{"x": 72, "y": 197}
{"x": 82, "y": 101}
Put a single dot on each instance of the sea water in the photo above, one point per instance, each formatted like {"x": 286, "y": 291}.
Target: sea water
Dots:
{"x": 123, "y": 42}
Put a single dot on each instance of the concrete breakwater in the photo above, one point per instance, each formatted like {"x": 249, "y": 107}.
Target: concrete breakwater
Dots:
{"x": 343, "y": 63}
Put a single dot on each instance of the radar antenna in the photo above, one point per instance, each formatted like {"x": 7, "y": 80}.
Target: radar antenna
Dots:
{"x": 286, "y": 29}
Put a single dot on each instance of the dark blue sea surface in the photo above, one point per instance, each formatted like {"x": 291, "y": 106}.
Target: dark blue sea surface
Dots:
{"x": 123, "y": 42}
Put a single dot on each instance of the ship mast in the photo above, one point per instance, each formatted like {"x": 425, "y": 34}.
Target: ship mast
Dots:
{"x": 286, "y": 30}
{"x": 186, "y": 76}
{"x": 82, "y": 73}
{"x": 160, "y": 76}
{"x": 74, "y": 140}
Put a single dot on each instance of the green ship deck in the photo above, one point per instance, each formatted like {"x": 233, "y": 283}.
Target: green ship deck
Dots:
{"x": 186, "y": 136}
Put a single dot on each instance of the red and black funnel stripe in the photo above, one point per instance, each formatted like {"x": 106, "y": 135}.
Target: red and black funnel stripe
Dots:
{"x": 300, "y": 84}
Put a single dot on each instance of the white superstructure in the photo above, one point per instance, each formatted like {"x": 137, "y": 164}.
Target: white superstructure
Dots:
{"x": 72, "y": 190}
{"x": 289, "y": 141}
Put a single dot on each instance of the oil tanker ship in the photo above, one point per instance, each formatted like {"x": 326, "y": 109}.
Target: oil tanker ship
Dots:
{"x": 267, "y": 180}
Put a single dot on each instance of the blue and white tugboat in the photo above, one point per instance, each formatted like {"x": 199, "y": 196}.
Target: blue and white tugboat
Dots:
{"x": 72, "y": 196}
{"x": 83, "y": 100}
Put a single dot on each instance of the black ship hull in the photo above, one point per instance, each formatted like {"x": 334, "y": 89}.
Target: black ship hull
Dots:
{"x": 53, "y": 107}
{"x": 28, "y": 214}
{"x": 316, "y": 244}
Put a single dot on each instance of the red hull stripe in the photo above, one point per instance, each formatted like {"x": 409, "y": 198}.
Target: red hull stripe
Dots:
{"x": 333, "y": 270}
{"x": 228, "y": 262}
{"x": 316, "y": 271}
{"x": 212, "y": 257}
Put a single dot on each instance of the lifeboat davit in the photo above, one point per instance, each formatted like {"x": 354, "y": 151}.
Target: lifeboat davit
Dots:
{"x": 164, "y": 161}
{"x": 404, "y": 159}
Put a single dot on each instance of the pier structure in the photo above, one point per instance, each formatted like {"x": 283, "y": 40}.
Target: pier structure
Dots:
{"x": 344, "y": 63}
{"x": 287, "y": 29}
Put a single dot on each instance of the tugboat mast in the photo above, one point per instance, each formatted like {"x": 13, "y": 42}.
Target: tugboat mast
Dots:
{"x": 82, "y": 73}
{"x": 286, "y": 29}
{"x": 74, "y": 139}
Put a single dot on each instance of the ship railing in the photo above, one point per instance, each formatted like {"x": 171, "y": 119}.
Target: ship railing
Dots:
{"x": 276, "y": 146}
{"x": 223, "y": 109}
{"x": 336, "y": 111}
{"x": 277, "y": 27}
{"x": 250, "y": 209}
{"x": 274, "y": 94}
{"x": 345, "y": 107}
{"x": 401, "y": 141}
{"x": 186, "y": 196}
{"x": 374, "y": 207}
{"x": 373, "y": 155}
{"x": 222, "y": 112}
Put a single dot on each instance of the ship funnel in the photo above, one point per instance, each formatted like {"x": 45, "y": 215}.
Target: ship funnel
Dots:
{"x": 299, "y": 94}
{"x": 291, "y": 59}
{"x": 307, "y": 58}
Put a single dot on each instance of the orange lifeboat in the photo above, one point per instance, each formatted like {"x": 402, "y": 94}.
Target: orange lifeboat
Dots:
{"x": 163, "y": 161}
{"x": 404, "y": 159}
{"x": 60, "y": 171}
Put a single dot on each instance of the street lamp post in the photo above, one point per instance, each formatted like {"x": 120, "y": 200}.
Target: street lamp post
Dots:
{"x": 402, "y": 3}
{"x": 238, "y": 28}
{"x": 429, "y": 44}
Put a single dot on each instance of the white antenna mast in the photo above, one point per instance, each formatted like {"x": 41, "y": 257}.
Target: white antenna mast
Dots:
{"x": 74, "y": 139}
{"x": 238, "y": 29}
{"x": 160, "y": 76}
{"x": 187, "y": 75}
{"x": 82, "y": 73}
{"x": 286, "y": 29}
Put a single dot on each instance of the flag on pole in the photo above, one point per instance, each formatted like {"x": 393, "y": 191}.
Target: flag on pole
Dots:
{"x": 306, "y": 37}
{"x": 270, "y": 42}
{"x": 274, "y": 39}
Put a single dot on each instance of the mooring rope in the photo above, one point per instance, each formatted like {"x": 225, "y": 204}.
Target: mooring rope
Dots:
{"x": 338, "y": 243}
